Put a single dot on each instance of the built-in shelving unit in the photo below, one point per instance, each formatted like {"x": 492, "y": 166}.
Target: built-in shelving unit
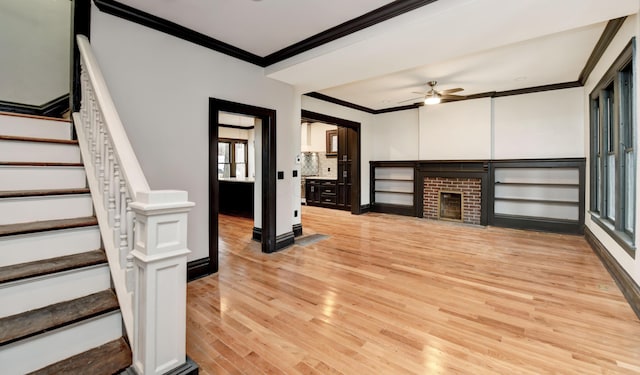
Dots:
{"x": 538, "y": 194}
{"x": 393, "y": 187}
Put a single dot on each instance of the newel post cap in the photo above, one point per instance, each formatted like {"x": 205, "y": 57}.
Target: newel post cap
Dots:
{"x": 162, "y": 201}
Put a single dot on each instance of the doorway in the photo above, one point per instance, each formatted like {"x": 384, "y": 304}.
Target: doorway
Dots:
{"x": 265, "y": 173}
{"x": 347, "y": 187}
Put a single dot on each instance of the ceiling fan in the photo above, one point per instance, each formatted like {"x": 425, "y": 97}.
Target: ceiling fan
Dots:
{"x": 434, "y": 96}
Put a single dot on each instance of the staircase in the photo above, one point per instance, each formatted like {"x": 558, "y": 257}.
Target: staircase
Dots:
{"x": 58, "y": 312}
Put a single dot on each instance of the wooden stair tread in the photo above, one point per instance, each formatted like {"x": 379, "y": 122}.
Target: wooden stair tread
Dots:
{"x": 46, "y": 225}
{"x": 107, "y": 359}
{"x": 39, "y": 164}
{"x": 36, "y": 193}
{"x": 14, "y": 114}
{"x": 48, "y": 266}
{"x": 34, "y": 322}
{"x": 35, "y": 139}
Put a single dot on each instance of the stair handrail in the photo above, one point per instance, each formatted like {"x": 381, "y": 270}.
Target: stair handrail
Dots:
{"x": 143, "y": 230}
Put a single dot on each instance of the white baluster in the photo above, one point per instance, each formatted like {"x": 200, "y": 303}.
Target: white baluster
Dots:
{"x": 131, "y": 226}
{"x": 111, "y": 186}
{"x": 107, "y": 168}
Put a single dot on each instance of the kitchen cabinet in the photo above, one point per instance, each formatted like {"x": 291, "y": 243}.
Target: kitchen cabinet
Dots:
{"x": 321, "y": 192}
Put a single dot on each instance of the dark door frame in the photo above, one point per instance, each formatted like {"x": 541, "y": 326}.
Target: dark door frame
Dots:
{"x": 310, "y": 116}
{"x": 268, "y": 173}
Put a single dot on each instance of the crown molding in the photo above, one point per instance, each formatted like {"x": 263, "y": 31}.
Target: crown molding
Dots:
{"x": 601, "y": 46}
{"x": 490, "y": 94}
{"x": 371, "y": 18}
{"x": 128, "y": 13}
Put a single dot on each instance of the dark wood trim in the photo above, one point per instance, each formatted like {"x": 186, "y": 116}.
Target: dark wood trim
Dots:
{"x": 268, "y": 173}
{"x": 626, "y": 284}
{"x": 56, "y": 107}
{"x": 284, "y": 240}
{"x": 198, "y": 268}
{"x": 188, "y": 368}
{"x": 236, "y": 127}
{"x": 356, "y": 188}
{"x": 535, "y": 89}
{"x": 297, "y": 230}
{"x": 399, "y": 108}
{"x": 128, "y": 13}
{"x": 341, "y": 102}
{"x": 541, "y": 224}
{"x": 310, "y": 116}
{"x": 80, "y": 25}
{"x": 256, "y": 234}
{"x": 365, "y": 208}
{"x": 621, "y": 238}
{"x": 371, "y": 18}
{"x": 53, "y": 108}
{"x": 490, "y": 94}
{"x": 396, "y": 209}
{"x": 601, "y": 46}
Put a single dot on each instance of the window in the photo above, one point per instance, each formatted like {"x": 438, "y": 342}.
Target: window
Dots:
{"x": 232, "y": 158}
{"x": 613, "y": 161}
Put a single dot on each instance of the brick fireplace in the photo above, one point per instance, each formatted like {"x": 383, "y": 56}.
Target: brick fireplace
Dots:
{"x": 470, "y": 190}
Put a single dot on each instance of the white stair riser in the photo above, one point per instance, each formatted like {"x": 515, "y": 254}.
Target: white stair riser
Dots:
{"x": 45, "y": 245}
{"x": 38, "y": 152}
{"x": 24, "y": 295}
{"x": 36, "y": 178}
{"x": 36, "y": 128}
{"x": 50, "y": 207}
{"x": 39, "y": 351}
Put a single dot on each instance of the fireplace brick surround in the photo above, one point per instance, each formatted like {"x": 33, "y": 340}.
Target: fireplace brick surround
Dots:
{"x": 472, "y": 196}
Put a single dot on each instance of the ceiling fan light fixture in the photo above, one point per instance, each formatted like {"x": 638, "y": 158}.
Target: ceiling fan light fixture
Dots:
{"x": 431, "y": 99}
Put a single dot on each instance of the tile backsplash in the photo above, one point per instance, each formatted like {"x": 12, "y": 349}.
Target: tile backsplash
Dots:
{"x": 318, "y": 164}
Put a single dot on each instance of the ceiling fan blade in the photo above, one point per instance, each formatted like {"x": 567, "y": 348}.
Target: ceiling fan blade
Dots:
{"x": 421, "y": 98}
{"x": 420, "y": 93}
{"x": 451, "y": 91}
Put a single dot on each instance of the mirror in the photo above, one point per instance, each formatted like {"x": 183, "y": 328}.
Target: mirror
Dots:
{"x": 332, "y": 143}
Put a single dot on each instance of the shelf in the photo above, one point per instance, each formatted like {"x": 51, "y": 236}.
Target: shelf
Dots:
{"x": 394, "y": 192}
{"x": 538, "y": 184}
{"x": 393, "y": 179}
{"x": 545, "y": 201}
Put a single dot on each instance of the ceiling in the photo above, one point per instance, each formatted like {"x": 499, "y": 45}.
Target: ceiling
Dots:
{"x": 479, "y": 45}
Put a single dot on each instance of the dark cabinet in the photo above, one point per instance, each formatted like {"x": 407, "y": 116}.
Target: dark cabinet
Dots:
{"x": 347, "y": 153}
{"x": 320, "y": 192}
{"x": 337, "y": 193}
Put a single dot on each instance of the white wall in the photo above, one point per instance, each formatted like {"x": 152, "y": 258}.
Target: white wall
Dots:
{"x": 547, "y": 124}
{"x": 161, "y": 86}
{"x": 393, "y": 136}
{"x": 366, "y": 121}
{"x": 457, "y": 130}
{"x": 628, "y": 30}
{"x": 314, "y": 136}
{"x": 34, "y": 50}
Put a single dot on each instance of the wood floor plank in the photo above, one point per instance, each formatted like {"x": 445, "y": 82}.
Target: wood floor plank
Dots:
{"x": 385, "y": 294}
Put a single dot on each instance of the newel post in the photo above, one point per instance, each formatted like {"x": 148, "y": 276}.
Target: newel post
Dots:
{"x": 160, "y": 256}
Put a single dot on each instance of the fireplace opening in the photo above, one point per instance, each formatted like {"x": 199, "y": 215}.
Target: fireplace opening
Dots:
{"x": 450, "y": 205}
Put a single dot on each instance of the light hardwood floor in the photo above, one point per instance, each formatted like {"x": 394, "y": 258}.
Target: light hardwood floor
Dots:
{"x": 388, "y": 294}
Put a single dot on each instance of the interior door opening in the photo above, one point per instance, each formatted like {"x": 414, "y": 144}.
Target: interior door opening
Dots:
{"x": 330, "y": 162}
{"x": 229, "y": 157}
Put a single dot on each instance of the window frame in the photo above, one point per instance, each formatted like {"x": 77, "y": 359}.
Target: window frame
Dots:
{"x": 232, "y": 155}
{"x": 612, "y": 118}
